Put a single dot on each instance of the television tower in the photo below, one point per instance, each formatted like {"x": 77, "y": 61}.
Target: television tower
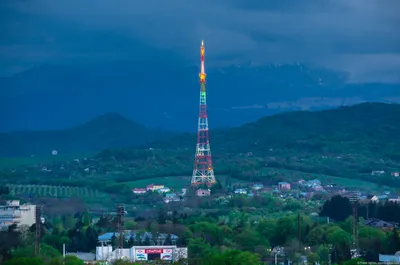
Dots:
{"x": 203, "y": 172}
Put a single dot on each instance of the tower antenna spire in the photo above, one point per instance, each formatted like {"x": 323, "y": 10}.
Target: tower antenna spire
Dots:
{"x": 203, "y": 172}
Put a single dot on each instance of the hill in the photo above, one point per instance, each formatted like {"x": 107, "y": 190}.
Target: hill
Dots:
{"x": 367, "y": 127}
{"x": 107, "y": 131}
{"x": 340, "y": 145}
{"x": 166, "y": 96}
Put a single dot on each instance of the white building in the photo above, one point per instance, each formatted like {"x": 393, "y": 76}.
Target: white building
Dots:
{"x": 240, "y": 191}
{"x": 141, "y": 253}
{"x": 14, "y": 213}
{"x": 163, "y": 190}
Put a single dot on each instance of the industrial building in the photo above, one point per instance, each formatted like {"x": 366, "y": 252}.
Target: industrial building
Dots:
{"x": 156, "y": 251}
{"x": 141, "y": 253}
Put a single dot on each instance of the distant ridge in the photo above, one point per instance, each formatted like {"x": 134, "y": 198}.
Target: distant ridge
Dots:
{"x": 370, "y": 127}
{"x": 110, "y": 130}
{"x": 75, "y": 94}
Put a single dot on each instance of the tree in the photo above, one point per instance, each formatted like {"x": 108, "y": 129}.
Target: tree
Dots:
{"x": 330, "y": 208}
{"x": 233, "y": 257}
{"x": 24, "y": 261}
{"x": 316, "y": 236}
{"x": 8, "y": 240}
{"x": 285, "y": 229}
{"x": 86, "y": 218}
{"x": 130, "y": 225}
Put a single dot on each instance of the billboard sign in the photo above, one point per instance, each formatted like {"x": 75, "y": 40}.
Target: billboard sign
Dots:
{"x": 140, "y": 254}
{"x": 166, "y": 256}
{"x": 154, "y": 251}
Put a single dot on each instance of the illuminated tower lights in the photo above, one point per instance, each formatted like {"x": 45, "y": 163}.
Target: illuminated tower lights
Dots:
{"x": 203, "y": 172}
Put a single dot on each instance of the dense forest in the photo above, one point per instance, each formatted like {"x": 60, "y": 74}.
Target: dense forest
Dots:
{"x": 219, "y": 237}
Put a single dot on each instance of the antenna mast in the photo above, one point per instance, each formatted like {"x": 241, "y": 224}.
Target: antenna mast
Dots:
{"x": 203, "y": 172}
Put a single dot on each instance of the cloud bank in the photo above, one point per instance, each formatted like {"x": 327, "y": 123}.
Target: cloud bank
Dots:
{"x": 359, "y": 36}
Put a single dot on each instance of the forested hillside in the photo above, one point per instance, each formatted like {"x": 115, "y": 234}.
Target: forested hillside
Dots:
{"x": 372, "y": 128}
{"x": 107, "y": 131}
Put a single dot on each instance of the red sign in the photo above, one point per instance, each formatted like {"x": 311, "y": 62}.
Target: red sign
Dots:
{"x": 154, "y": 251}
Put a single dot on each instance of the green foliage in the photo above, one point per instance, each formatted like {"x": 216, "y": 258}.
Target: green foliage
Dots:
{"x": 53, "y": 191}
{"x": 25, "y": 261}
{"x": 330, "y": 208}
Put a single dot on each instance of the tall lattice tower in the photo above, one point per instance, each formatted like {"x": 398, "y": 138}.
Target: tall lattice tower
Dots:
{"x": 203, "y": 171}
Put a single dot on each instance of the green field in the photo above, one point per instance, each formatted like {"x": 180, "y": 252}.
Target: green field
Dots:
{"x": 55, "y": 191}
{"x": 10, "y": 162}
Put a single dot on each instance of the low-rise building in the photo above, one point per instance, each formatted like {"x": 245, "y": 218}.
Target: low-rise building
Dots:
{"x": 153, "y": 187}
{"x": 203, "y": 192}
{"x": 171, "y": 197}
{"x": 139, "y": 191}
{"x": 394, "y": 198}
{"x": 257, "y": 187}
{"x": 284, "y": 186}
{"x": 15, "y": 213}
{"x": 377, "y": 173}
{"x": 378, "y": 198}
{"x": 380, "y": 224}
{"x": 163, "y": 190}
{"x": 390, "y": 259}
{"x": 170, "y": 253}
{"x": 240, "y": 191}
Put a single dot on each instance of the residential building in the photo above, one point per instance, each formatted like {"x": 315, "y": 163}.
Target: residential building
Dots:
{"x": 257, "y": 187}
{"x": 163, "y": 190}
{"x": 153, "y": 187}
{"x": 284, "y": 186}
{"x": 390, "y": 259}
{"x": 394, "y": 198}
{"x": 380, "y": 224}
{"x": 15, "y": 213}
{"x": 203, "y": 192}
{"x": 378, "y": 198}
{"x": 377, "y": 173}
{"x": 171, "y": 197}
{"x": 139, "y": 191}
{"x": 240, "y": 191}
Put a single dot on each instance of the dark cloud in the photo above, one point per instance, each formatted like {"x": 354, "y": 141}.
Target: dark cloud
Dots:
{"x": 335, "y": 33}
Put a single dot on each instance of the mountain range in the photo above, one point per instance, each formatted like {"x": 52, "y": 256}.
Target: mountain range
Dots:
{"x": 366, "y": 127}
{"x": 52, "y": 97}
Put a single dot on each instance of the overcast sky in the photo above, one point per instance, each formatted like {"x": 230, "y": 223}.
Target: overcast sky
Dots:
{"x": 359, "y": 36}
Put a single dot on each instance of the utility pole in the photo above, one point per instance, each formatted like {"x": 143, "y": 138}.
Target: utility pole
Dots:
{"x": 299, "y": 229}
{"x": 120, "y": 224}
{"x": 38, "y": 227}
{"x": 354, "y": 201}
